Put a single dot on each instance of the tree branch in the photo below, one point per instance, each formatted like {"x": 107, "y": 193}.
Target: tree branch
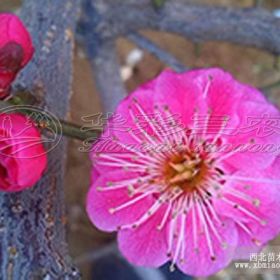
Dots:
{"x": 103, "y": 58}
{"x": 32, "y": 222}
{"x": 248, "y": 27}
{"x": 157, "y": 51}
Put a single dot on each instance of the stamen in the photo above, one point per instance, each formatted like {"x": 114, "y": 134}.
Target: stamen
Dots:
{"x": 245, "y": 211}
{"x": 178, "y": 206}
{"x": 177, "y": 130}
{"x": 207, "y": 233}
{"x": 153, "y": 209}
{"x": 165, "y": 217}
{"x": 212, "y": 210}
{"x": 171, "y": 236}
{"x": 204, "y": 131}
{"x": 129, "y": 203}
{"x": 207, "y": 87}
{"x": 125, "y": 183}
{"x": 135, "y": 152}
{"x": 151, "y": 187}
{"x": 124, "y": 164}
{"x": 141, "y": 129}
{"x": 233, "y": 152}
{"x": 134, "y": 136}
{"x": 243, "y": 196}
{"x": 162, "y": 126}
{"x": 252, "y": 179}
{"x": 249, "y": 232}
{"x": 214, "y": 230}
{"x": 193, "y": 129}
{"x": 148, "y": 120}
{"x": 221, "y": 130}
{"x": 194, "y": 225}
{"x": 244, "y": 227}
{"x": 180, "y": 239}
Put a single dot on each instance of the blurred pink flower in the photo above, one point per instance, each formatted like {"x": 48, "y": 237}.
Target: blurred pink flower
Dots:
{"x": 15, "y": 50}
{"x": 197, "y": 207}
{"x": 22, "y": 155}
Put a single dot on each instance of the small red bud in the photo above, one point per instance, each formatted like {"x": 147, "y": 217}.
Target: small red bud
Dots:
{"x": 16, "y": 50}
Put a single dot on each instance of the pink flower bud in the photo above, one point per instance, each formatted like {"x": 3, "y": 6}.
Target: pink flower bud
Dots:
{"x": 22, "y": 154}
{"x": 15, "y": 50}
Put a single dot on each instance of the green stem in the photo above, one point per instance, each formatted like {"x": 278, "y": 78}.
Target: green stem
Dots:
{"x": 76, "y": 132}
{"x": 68, "y": 129}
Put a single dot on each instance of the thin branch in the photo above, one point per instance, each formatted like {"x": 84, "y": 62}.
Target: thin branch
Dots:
{"x": 154, "y": 49}
{"x": 20, "y": 102}
{"x": 103, "y": 59}
{"x": 248, "y": 27}
{"x": 107, "y": 76}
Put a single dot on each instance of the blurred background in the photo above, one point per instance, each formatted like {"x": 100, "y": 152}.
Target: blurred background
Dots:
{"x": 95, "y": 252}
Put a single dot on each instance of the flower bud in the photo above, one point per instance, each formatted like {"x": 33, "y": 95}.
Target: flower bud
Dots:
{"x": 22, "y": 154}
{"x": 15, "y": 50}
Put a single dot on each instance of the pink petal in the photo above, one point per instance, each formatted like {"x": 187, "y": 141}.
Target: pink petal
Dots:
{"x": 22, "y": 153}
{"x": 268, "y": 211}
{"x": 247, "y": 132}
{"x": 13, "y": 30}
{"x": 145, "y": 246}
{"x": 245, "y": 247}
{"x": 99, "y": 203}
{"x": 200, "y": 263}
{"x": 222, "y": 94}
{"x": 176, "y": 91}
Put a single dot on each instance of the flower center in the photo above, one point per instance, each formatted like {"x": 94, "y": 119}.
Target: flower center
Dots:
{"x": 186, "y": 171}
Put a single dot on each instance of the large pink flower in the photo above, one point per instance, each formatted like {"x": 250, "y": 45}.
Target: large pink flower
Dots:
{"x": 15, "y": 50}
{"x": 186, "y": 171}
{"x": 22, "y": 155}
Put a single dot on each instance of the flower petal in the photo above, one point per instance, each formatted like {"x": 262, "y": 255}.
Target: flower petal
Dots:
{"x": 145, "y": 245}
{"x": 99, "y": 203}
{"x": 261, "y": 203}
{"x": 200, "y": 263}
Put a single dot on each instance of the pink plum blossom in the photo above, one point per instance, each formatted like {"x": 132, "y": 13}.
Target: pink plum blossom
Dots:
{"x": 22, "y": 154}
{"x": 15, "y": 50}
{"x": 183, "y": 172}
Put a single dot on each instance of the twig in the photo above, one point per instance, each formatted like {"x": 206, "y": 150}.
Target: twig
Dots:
{"x": 248, "y": 27}
{"x": 61, "y": 127}
{"x": 154, "y": 49}
{"x": 103, "y": 59}
{"x": 74, "y": 131}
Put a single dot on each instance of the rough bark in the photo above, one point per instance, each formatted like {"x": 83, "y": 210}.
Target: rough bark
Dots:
{"x": 32, "y": 223}
{"x": 248, "y": 27}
